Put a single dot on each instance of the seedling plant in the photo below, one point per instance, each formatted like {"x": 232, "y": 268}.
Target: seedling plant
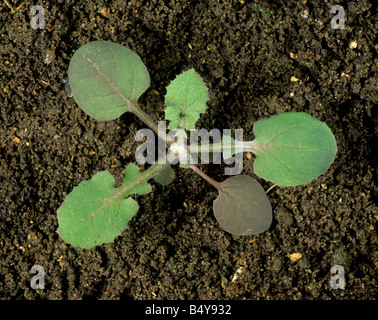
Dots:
{"x": 107, "y": 79}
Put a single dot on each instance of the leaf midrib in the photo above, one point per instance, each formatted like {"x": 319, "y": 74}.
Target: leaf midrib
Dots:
{"x": 128, "y": 102}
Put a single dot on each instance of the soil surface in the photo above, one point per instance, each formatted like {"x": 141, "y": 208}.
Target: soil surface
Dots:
{"x": 258, "y": 58}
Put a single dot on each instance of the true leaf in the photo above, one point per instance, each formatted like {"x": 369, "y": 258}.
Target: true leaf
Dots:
{"x": 95, "y": 212}
{"x": 105, "y": 78}
{"x": 292, "y": 148}
{"x": 242, "y": 207}
{"x": 185, "y": 99}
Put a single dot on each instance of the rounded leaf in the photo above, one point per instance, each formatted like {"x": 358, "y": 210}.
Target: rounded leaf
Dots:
{"x": 242, "y": 207}
{"x": 292, "y": 148}
{"x": 105, "y": 77}
{"x": 166, "y": 176}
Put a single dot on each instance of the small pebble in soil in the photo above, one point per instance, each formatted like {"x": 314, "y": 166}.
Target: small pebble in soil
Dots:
{"x": 305, "y": 13}
{"x": 49, "y": 56}
{"x": 295, "y": 256}
{"x": 353, "y": 45}
{"x": 67, "y": 88}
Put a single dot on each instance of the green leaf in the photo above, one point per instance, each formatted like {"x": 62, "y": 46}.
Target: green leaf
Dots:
{"x": 165, "y": 176}
{"x": 292, "y": 148}
{"x": 185, "y": 99}
{"x": 242, "y": 207}
{"x": 95, "y": 212}
{"x": 105, "y": 77}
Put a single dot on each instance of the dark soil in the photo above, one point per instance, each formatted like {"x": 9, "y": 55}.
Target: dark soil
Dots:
{"x": 247, "y": 52}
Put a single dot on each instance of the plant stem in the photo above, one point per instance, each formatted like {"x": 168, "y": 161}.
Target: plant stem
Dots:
{"x": 212, "y": 148}
{"x": 150, "y": 172}
{"x": 143, "y": 116}
{"x": 134, "y": 108}
{"x": 214, "y": 183}
{"x": 234, "y": 147}
{"x": 144, "y": 176}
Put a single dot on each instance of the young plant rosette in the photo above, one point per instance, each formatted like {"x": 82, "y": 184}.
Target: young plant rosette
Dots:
{"x": 107, "y": 80}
